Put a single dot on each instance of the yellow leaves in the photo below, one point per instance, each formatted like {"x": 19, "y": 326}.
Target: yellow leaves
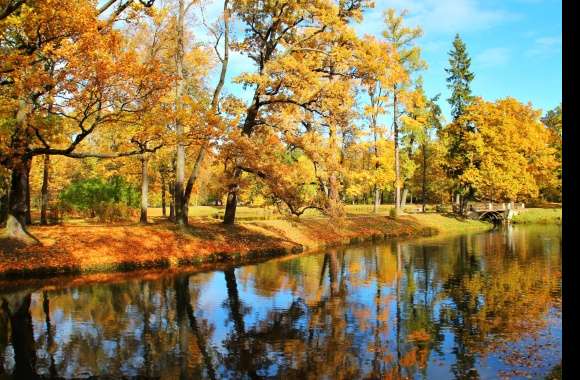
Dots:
{"x": 510, "y": 147}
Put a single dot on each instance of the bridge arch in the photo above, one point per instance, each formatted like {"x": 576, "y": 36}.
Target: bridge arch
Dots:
{"x": 492, "y": 216}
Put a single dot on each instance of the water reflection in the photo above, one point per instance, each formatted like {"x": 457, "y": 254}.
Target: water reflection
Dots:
{"x": 464, "y": 307}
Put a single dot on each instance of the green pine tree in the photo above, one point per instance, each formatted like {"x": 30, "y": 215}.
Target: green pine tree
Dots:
{"x": 459, "y": 77}
{"x": 458, "y": 157}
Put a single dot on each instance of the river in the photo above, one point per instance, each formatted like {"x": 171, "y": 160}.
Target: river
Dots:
{"x": 472, "y": 306}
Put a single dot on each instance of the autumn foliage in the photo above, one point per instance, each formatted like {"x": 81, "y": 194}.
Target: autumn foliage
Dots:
{"x": 142, "y": 90}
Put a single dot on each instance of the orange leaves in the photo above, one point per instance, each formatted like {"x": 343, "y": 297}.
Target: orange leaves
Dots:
{"x": 105, "y": 247}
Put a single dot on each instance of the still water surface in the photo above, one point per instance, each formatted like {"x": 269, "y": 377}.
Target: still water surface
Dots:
{"x": 479, "y": 306}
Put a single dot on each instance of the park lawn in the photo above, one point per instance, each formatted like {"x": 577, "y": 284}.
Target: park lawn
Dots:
{"x": 448, "y": 223}
{"x": 265, "y": 213}
{"x": 538, "y": 215}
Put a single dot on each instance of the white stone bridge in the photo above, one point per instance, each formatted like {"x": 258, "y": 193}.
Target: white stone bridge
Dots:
{"x": 494, "y": 212}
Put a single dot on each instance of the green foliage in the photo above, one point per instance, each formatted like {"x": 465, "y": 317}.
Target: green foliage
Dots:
{"x": 553, "y": 121}
{"x": 459, "y": 77}
{"x": 107, "y": 199}
{"x": 539, "y": 216}
{"x": 458, "y": 149}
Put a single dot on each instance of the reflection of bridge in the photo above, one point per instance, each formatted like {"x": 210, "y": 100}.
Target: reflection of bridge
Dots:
{"x": 494, "y": 212}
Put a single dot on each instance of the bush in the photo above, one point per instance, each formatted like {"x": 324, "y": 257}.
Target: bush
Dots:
{"x": 108, "y": 200}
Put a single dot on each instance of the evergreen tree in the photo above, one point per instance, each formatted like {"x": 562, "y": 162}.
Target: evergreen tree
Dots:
{"x": 459, "y": 77}
{"x": 458, "y": 160}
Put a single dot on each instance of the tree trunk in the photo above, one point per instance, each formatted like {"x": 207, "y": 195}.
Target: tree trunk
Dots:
{"x": 184, "y": 201}
{"x": 404, "y": 198}
{"x": 377, "y": 202}
{"x": 171, "y": 201}
{"x": 377, "y": 191}
{"x": 44, "y": 191}
{"x": 19, "y": 197}
{"x": 144, "y": 189}
{"x": 191, "y": 181}
{"x": 232, "y": 200}
{"x": 28, "y": 208}
{"x": 397, "y": 163}
{"x": 424, "y": 179}
{"x": 163, "y": 202}
{"x": 179, "y": 131}
{"x": 18, "y": 204}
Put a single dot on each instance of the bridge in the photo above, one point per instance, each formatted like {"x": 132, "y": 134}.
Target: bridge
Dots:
{"x": 494, "y": 212}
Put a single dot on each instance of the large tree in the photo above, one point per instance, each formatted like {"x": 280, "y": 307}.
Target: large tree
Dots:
{"x": 508, "y": 151}
{"x": 65, "y": 74}
{"x": 403, "y": 39}
{"x": 301, "y": 51}
{"x": 460, "y": 77}
{"x": 459, "y": 81}
{"x": 209, "y": 123}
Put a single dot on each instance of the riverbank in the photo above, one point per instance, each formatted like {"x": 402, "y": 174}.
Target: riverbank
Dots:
{"x": 538, "y": 216}
{"x": 86, "y": 248}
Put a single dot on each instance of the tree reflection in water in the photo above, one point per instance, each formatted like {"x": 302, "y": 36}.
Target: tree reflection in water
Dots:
{"x": 471, "y": 306}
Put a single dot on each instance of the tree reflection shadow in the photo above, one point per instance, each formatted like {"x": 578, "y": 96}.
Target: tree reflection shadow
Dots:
{"x": 383, "y": 311}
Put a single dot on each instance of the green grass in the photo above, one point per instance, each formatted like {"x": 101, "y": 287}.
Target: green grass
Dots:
{"x": 449, "y": 224}
{"x": 539, "y": 215}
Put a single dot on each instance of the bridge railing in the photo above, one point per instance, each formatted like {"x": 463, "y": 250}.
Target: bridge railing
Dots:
{"x": 489, "y": 206}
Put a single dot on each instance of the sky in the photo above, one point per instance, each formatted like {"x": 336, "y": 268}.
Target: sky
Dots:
{"x": 515, "y": 46}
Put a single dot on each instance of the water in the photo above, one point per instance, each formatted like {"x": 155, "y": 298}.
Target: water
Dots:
{"x": 484, "y": 306}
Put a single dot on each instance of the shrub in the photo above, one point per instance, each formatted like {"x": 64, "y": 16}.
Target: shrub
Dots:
{"x": 108, "y": 200}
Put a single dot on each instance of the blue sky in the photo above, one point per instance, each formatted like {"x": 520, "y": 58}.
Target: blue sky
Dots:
{"x": 515, "y": 45}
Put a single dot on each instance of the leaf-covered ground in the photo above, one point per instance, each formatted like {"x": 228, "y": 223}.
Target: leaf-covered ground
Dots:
{"x": 87, "y": 247}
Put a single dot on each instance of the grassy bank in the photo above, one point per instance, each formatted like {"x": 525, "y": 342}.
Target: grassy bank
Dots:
{"x": 268, "y": 213}
{"x": 84, "y": 248}
{"x": 539, "y": 216}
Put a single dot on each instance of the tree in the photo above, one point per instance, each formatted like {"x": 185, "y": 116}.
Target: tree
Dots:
{"x": 212, "y": 120}
{"x": 508, "y": 152}
{"x": 403, "y": 40}
{"x": 61, "y": 61}
{"x": 553, "y": 121}
{"x": 379, "y": 69}
{"x": 423, "y": 120}
{"x": 459, "y": 81}
{"x": 460, "y": 77}
{"x": 301, "y": 54}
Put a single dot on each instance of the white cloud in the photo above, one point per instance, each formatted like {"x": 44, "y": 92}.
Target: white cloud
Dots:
{"x": 440, "y": 16}
{"x": 492, "y": 57}
{"x": 546, "y": 46}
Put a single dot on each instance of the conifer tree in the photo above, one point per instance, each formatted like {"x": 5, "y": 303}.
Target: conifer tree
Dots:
{"x": 459, "y": 78}
{"x": 459, "y": 81}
